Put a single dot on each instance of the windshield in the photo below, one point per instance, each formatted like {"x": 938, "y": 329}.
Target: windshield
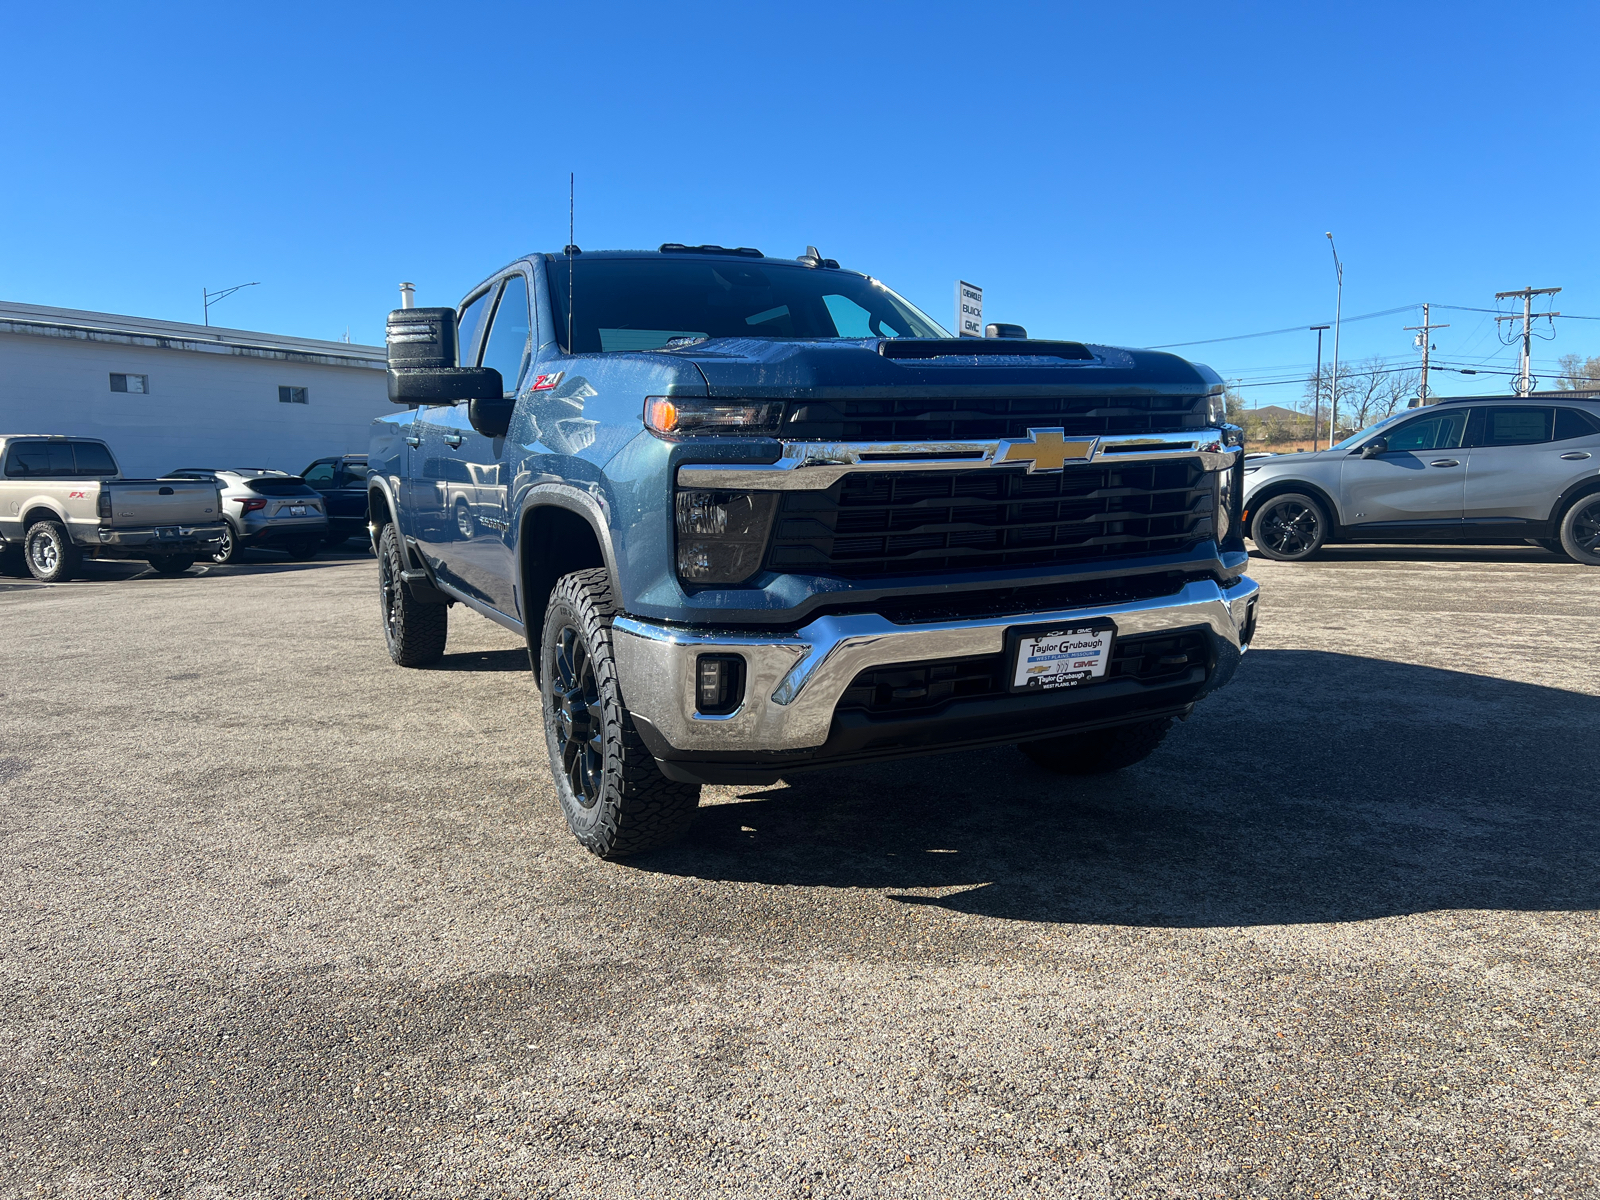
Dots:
{"x": 646, "y": 303}
{"x": 1369, "y": 431}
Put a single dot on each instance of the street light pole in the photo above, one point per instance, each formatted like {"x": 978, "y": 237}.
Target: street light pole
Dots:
{"x": 1338, "y": 308}
{"x": 208, "y": 298}
{"x": 1316, "y": 392}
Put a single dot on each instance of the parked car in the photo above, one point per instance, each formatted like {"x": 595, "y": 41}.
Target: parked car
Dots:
{"x": 342, "y": 482}
{"x": 755, "y": 516}
{"x": 265, "y": 509}
{"x": 64, "y": 499}
{"x": 1473, "y": 470}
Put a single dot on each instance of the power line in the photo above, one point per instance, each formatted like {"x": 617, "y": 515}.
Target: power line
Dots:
{"x": 1239, "y": 337}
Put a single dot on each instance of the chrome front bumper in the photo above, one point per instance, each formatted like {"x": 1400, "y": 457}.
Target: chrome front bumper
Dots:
{"x": 793, "y": 682}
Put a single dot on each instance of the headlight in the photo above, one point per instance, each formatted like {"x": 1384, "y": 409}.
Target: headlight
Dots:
{"x": 722, "y": 536}
{"x": 673, "y": 418}
{"x": 1216, "y": 408}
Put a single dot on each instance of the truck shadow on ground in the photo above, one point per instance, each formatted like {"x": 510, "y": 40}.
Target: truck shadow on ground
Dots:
{"x": 1319, "y": 787}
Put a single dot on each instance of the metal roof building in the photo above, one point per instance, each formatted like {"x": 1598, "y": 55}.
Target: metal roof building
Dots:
{"x": 164, "y": 394}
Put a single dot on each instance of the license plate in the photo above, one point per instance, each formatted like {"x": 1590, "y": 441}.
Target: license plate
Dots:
{"x": 297, "y": 510}
{"x": 1059, "y": 656}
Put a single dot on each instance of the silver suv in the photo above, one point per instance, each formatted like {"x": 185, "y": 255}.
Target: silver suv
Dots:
{"x": 1476, "y": 470}
{"x": 265, "y": 508}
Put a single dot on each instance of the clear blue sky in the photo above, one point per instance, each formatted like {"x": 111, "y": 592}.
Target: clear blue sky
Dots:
{"x": 1133, "y": 174}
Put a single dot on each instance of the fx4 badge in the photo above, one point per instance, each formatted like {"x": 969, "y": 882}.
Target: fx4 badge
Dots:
{"x": 1045, "y": 450}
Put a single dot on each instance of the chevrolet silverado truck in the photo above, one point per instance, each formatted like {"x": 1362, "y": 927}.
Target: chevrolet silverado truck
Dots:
{"x": 755, "y": 516}
{"x": 63, "y": 499}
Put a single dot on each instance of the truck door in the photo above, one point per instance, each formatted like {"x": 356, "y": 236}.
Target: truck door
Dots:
{"x": 1415, "y": 486}
{"x": 434, "y": 438}
{"x": 478, "y": 551}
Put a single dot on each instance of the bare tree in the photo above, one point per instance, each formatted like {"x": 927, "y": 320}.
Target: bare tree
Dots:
{"x": 1368, "y": 392}
{"x": 1578, "y": 374}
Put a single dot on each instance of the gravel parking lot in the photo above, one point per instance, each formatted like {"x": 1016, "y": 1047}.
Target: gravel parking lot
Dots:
{"x": 281, "y": 918}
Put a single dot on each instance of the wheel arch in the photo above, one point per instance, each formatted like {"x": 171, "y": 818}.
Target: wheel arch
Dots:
{"x": 560, "y": 529}
{"x": 1586, "y": 486}
{"x": 39, "y": 510}
{"x": 1279, "y": 487}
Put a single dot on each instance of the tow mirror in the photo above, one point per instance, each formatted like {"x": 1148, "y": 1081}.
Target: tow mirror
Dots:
{"x": 422, "y": 361}
{"x": 1373, "y": 449}
{"x": 997, "y": 330}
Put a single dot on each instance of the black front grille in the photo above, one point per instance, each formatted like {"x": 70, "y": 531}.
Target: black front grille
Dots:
{"x": 910, "y": 419}
{"x": 908, "y": 688}
{"x": 927, "y": 521}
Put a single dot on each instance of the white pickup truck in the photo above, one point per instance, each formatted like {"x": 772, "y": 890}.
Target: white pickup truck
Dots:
{"x": 63, "y": 499}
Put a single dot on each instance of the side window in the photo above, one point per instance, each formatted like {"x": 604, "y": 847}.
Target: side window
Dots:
{"x": 1519, "y": 426}
{"x": 353, "y": 474}
{"x": 509, "y": 347}
{"x": 40, "y": 460}
{"x": 1571, "y": 423}
{"x": 320, "y": 474}
{"x": 1438, "y": 431}
{"x": 470, "y": 325}
{"x": 93, "y": 459}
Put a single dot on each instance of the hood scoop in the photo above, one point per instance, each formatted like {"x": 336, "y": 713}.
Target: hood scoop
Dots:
{"x": 926, "y": 348}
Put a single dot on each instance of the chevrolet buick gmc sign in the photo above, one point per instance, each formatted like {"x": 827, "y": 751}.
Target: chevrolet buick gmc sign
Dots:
{"x": 969, "y": 309}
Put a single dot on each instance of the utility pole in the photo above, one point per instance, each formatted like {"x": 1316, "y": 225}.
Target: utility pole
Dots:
{"x": 1316, "y": 393}
{"x": 1424, "y": 339}
{"x": 1338, "y": 307}
{"x": 1528, "y": 317}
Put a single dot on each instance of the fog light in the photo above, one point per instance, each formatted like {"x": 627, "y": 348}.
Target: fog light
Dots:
{"x": 719, "y": 683}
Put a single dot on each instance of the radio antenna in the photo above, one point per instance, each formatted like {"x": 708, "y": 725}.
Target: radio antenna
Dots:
{"x": 572, "y": 192}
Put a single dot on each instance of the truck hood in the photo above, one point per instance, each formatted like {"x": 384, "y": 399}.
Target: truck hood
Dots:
{"x": 768, "y": 369}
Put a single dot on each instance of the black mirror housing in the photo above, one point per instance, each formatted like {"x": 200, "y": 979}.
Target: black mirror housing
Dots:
{"x": 491, "y": 416}
{"x": 1373, "y": 449}
{"x": 422, "y": 338}
{"x": 444, "y": 385}
{"x": 1004, "y": 331}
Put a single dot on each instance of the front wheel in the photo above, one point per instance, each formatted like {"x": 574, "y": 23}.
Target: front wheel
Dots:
{"x": 415, "y": 633}
{"x": 50, "y": 553}
{"x": 1289, "y": 528}
{"x": 170, "y": 564}
{"x": 616, "y": 800}
{"x": 1580, "y": 531}
{"x": 1100, "y": 751}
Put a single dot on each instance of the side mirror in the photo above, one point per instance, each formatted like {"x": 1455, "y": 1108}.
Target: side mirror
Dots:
{"x": 491, "y": 416}
{"x": 423, "y": 347}
{"x": 1373, "y": 449}
{"x": 1004, "y": 331}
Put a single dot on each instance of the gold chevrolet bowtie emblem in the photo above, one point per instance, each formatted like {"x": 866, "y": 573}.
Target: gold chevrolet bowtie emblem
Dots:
{"x": 1045, "y": 450}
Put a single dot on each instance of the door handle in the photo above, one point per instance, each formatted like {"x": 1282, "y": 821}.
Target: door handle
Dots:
{"x": 1574, "y": 455}
{"x": 453, "y": 440}
{"x": 1444, "y": 462}
{"x": 413, "y": 440}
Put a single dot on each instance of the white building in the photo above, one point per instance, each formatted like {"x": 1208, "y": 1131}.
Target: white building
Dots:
{"x": 165, "y": 395}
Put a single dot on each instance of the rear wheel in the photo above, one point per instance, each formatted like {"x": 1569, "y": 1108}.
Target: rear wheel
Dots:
{"x": 1100, "y": 751}
{"x": 171, "y": 564}
{"x": 1289, "y": 528}
{"x": 616, "y": 800}
{"x": 415, "y": 633}
{"x": 51, "y": 556}
{"x": 224, "y": 553}
{"x": 1580, "y": 531}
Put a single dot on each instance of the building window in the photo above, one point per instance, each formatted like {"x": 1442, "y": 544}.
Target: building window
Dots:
{"x": 291, "y": 395}
{"x": 131, "y": 383}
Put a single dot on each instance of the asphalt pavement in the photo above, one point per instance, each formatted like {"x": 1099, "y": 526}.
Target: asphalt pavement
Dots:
{"x": 283, "y": 919}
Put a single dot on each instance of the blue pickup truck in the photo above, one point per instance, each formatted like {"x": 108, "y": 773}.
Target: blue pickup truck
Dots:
{"x": 757, "y": 515}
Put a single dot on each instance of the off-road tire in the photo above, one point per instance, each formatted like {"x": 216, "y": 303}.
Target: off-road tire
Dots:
{"x": 629, "y": 805}
{"x": 1580, "y": 531}
{"x": 51, "y": 556}
{"x": 170, "y": 564}
{"x": 1289, "y": 511}
{"x": 229, "y": 549}
{"x": 415, "y": 633}
{"x": 1100, "y": 751}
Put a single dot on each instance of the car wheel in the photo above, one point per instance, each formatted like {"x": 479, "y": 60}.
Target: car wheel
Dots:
{"x": 616, "y": 800}
{"x": 1099, "y": 752}
{"x": 50, "y": 554}
{"x": 1289, "y": 528}
{"x": 303, "y": 549}
{"x": 1580, "y": 531}
{"x": 170, "y": 564}
{"x": 228, "y": 549}
{"x": 414, "y": 632}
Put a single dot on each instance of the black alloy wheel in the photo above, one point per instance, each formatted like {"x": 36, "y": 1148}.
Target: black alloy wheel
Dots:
{"x": 1289, "y": 527}
{"x": 578, "y": 718}
{"x": 414, "y": 633}
{"x": 1580, "y": 531}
